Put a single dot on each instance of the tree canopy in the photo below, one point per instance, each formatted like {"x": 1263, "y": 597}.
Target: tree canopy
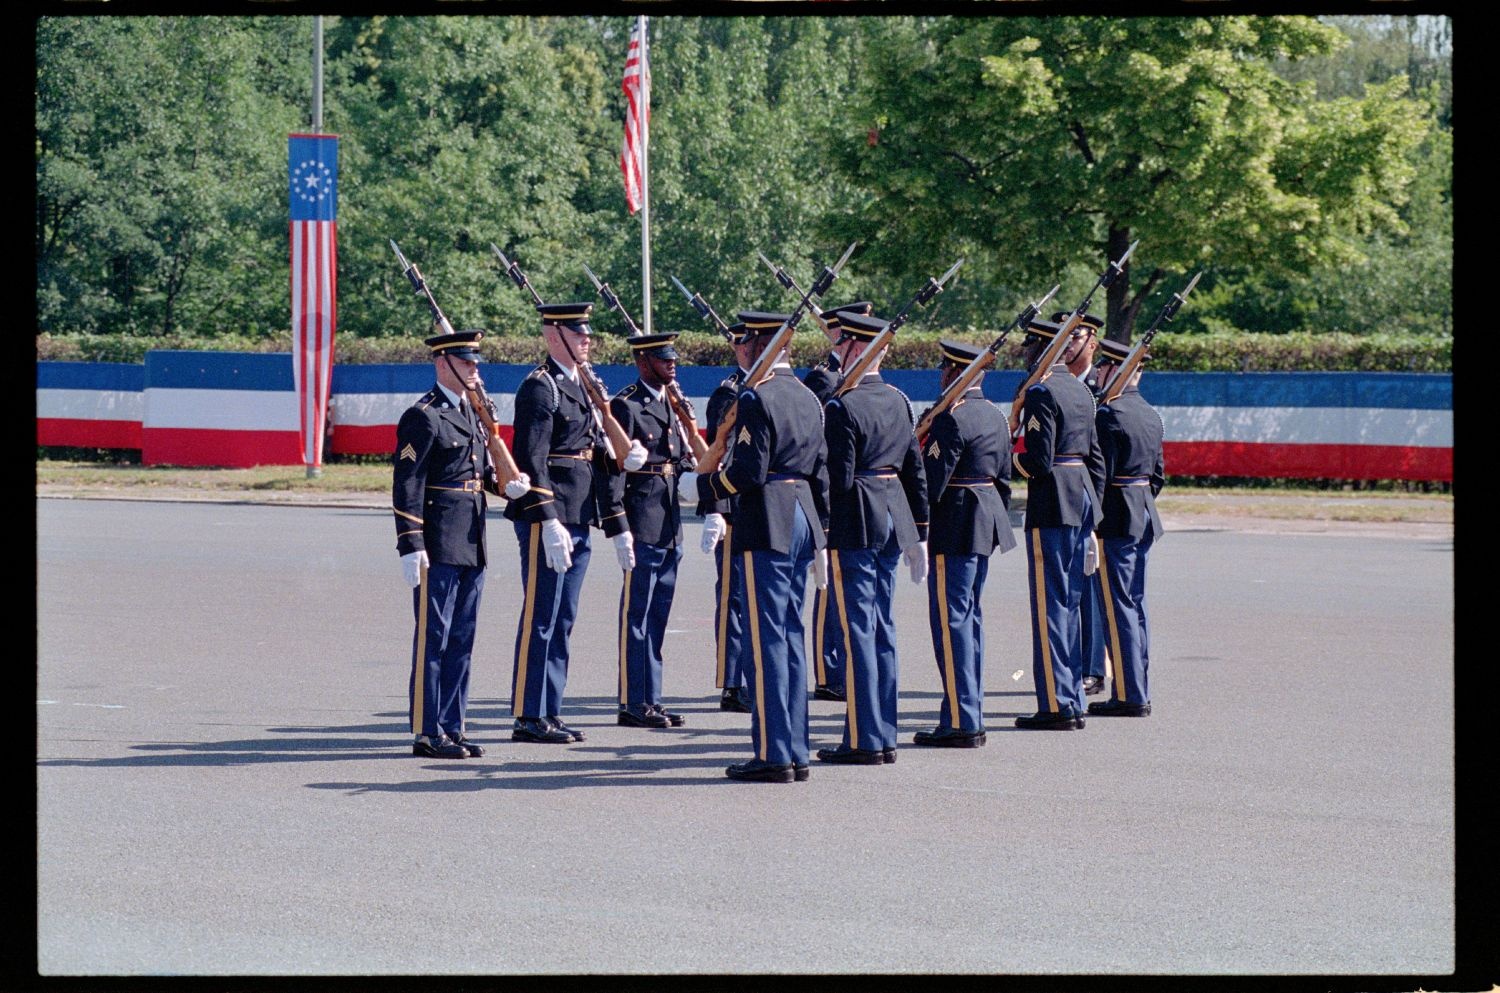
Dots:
{"x": 1300, "y": 161}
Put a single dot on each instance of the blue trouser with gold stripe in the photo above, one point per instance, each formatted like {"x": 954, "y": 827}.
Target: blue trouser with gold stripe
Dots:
{"x": 771, "y": 609}
{"x": 1055, "y": 578}
{"x": 548, "y": 610}
{"x": 863, "y": 584}
{"x": 446, "y": 605}
{"x": 729, "y": 590}
{"x": 828, "y": 644}
{"x": 645, "y": 602}
{"x": 1123, "y": 572}
{"x": 1091, "y": 610}
{"x": 955, "y": 584}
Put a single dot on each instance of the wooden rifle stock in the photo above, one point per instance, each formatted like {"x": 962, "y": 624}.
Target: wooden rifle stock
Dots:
{"x": 873, "y": 351}
{"x": 685, "y": 421}
{"x": 713, "y": 456}
{"x": 505, "y": 463}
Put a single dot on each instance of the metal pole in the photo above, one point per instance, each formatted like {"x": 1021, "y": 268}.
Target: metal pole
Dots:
{"x": 645, "y": 178}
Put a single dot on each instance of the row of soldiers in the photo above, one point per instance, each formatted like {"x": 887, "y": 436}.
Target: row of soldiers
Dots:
{"x": 822, "y": 477}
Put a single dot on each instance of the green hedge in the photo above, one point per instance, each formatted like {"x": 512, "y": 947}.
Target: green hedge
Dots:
{"x": 913, "y": 348}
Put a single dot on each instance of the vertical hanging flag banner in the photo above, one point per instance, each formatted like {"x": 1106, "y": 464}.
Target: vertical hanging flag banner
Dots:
{"x": 313, "y": 175}
{"x": 637, "y": 86}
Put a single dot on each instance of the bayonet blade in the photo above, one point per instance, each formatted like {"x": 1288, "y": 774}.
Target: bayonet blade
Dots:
{"x": 401, "y": 258}
{"x": 592, "y": 278}
{"x": 676, "y": 282}
{"x": 1189, "y": 288}
{"x": 503, "y": 260}
{"x": 847, "y": 252}
{"x": 949, "y": 274}
{"x": 1128, "y": 252}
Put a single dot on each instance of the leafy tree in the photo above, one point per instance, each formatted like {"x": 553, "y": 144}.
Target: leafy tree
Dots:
{"x": 1043, "y": 141}
{"x": 155, "y": 148}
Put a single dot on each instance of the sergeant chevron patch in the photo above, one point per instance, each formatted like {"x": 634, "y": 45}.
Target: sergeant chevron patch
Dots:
{"x": 744, "y": 436}
{"x": 409, "y": 452}
{"x": 933, "y": 450}
{"x": 1032, "y": 424}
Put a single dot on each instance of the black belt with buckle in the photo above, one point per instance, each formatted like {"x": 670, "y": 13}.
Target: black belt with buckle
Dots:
{"x": 655, "y": 469}
{"x": 467, "y": 486}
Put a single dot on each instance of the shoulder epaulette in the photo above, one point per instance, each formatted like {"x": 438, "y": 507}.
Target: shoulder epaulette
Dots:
{"x": 427, "y": 399}
{"x": 540, "y": 373}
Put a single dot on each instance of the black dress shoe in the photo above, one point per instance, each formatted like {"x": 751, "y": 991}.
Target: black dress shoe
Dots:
{"x": 1119, "y": 708}
{"x": 890, "y": 755}
{"x": 756, "y": 771}
{"x": 733, "y": 701}
{"x": 1047, "y": 721}
{"x": 475, "y": 750}
{"x": 949, "y": 738}
{"x": 829, "y": 693}
{"x": 852, "y": 756}
{"x": 539, "y": 730}
{"x": 676, "y": 720}
{"x": 800, "y": 771}
{"x": 441, "y": 747}
{"x": 642, "y": 717}
{"x": 1093, "y": 684}
{"x": 558, "y": 725}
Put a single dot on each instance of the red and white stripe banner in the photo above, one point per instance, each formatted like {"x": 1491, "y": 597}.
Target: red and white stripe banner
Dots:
{"x": 637, "y": 86}
{"x": 312, "y": 167}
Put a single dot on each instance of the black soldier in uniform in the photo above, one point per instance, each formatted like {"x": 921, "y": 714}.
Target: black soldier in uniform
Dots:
{"x": 778, "y": 475}
{"x": 649, "y": 495}
{"x": 966, "y": 455}
{"x": 441, "y": 469}
{"x": 718, "y": 528}
{"x": 877, "y": 514}
{"x": 560, "y": 444}
{"x": 1130, "y": 438}
{"x": 1059, "y": 457}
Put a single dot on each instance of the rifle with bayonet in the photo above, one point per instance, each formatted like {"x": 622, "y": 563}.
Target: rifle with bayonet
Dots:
{"x": 616, "y": 441}
{"x": 682, "y": 410}
{"x": 1043, "y": 365}
{"x": 505, "y": 463}
{"x": 883, "y": 340}
{"x": 977, "y": 366}
{"x": 1137, "y": 355}
{"x": 788, "y": 283}
{"x": 704, "y": 310}
{"x": 763, "y": 365}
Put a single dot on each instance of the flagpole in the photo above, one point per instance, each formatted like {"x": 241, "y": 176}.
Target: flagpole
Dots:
{"x": 645, "y": 175}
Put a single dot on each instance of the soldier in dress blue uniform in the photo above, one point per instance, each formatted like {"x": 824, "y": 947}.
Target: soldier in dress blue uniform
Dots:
{"x": 1091, "y": 607}
{"x": 560, "y": 443}
{"x": 877, "y": 514}
{"x": 966, "y": 457}
{"x": 441, "y": 470}
{"x": 649, "y": 495}
{"x": 823, "y": 379}
{"x": 1059, "y": 457}
{"x": 718, "y": 528}
{"x": 1130, "y": 438}
{"x": 778, "y": 476}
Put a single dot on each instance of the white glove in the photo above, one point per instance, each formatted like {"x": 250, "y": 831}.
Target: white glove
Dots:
{"x": 687, "y": 482}
{"x": 1091, "y": 556}
{"x": 636, "y": 457}
{"x": 412, "y": 564}
{"x": 713, "y": 530}
{"x": 516, "y": 488}
{"x": 625, "y": 550}
{"x": 820, "y": 568}
{"x": 558, "y": 545}
{"x": 916, "y": 561}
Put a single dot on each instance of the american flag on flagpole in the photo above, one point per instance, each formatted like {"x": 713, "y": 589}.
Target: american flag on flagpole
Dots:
{"x": 637, "y": 86}
{"x": 312, "y": 171}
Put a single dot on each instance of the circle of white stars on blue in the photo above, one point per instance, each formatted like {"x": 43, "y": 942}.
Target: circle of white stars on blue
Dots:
{"x": 312, "y": 180}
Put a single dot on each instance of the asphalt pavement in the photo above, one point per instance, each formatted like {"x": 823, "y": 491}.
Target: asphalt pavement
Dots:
{"x": 225, "y": 785}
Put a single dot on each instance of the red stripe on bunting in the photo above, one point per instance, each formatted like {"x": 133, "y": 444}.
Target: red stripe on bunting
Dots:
{"x": 1235, "y": 458}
